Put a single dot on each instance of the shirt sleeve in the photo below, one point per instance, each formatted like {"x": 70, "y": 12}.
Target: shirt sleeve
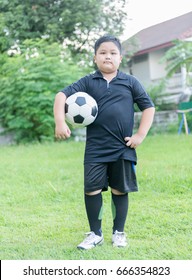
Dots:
{"x": 140, "y": 96}
{"x": 80, "y": 85}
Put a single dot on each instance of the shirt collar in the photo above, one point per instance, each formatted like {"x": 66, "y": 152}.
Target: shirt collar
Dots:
{"x": 120, "y": 75}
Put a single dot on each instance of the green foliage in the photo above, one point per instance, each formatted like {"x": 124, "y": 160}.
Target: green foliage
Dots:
{"x": 37, "y": 68}
{"x": 77, "y": 21}
{"x": 155, "y": 91}
{"x": 42, "y": 214}
{"x": 178, "y": 56}
{"x": 29, "y": 82}
{"x": 5, "y": 41}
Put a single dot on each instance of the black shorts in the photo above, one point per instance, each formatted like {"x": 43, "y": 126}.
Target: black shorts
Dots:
{"x": 119, "y": 175}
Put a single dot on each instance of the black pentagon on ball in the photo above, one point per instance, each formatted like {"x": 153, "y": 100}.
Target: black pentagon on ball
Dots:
{"x": 80, "y": 101}
{"x": 66, "y": 107}
{"x": 94, "y": 111}
{"x": 78, "y": 119}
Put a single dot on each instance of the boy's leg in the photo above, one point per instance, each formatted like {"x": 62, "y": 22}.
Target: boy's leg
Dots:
{"x": 122, "y": 180}
{"x": 95, "y": 176}
{"x": 93, "y": 204}
{"x": 95, "y": 180}
{"x": 119, "y": 204}
{"x": 94, "y": 209}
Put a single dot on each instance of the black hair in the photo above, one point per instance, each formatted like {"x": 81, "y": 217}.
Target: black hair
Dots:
{"x": 107, "y": 38}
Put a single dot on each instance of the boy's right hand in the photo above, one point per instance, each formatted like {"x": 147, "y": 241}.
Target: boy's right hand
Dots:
{"x": 62, "y": 131}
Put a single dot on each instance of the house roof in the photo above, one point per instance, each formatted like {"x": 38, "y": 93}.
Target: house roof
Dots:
{"x": 161, "y": 35}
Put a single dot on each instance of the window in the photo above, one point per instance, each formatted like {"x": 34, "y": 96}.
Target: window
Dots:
{"x": 140, "y": 58}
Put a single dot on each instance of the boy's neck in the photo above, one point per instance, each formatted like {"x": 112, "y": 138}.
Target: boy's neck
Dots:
{"x": 109, "y": 76}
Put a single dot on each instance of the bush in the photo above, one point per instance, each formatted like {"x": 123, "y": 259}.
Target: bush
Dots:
{"x": 155, "y": 91}
{"x": 29, "y": 82}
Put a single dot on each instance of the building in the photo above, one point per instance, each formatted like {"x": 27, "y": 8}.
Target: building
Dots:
{"x": 149, "y": 46}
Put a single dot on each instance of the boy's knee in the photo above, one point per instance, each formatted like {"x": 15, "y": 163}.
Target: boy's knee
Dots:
{"x": 93, "y": 193}
{"x": 116, "y": 192}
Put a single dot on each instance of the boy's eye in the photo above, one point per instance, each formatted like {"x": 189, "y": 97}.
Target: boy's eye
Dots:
{"x": 112, "y": 53}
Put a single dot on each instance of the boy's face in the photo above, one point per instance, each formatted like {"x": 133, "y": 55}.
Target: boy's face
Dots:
{"x": 108, "y": 58}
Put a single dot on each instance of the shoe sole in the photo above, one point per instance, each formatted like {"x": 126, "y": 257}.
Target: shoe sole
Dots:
{"x": 98, "y": 244}
{"x": 120, "y": 246}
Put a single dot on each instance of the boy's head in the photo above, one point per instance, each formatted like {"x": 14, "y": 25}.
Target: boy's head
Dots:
{"x": 108, "y": 55}
{"x": 108, "y": 38}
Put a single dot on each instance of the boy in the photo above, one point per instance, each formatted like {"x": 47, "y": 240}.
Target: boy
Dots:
{"x": 110, "y": 155}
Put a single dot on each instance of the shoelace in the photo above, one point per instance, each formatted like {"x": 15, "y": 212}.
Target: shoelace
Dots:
{"x": 88, "y": 237}
{"x": 120, "y": 236}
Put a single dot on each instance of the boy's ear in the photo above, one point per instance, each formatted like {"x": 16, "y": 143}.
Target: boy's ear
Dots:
{"x": 94, "y": 59}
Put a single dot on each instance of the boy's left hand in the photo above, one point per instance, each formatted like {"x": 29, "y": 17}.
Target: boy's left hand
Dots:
{"x": 134, "y": 141}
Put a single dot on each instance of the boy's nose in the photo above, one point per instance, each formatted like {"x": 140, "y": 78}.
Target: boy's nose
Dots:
{"x": 108, "y": 56}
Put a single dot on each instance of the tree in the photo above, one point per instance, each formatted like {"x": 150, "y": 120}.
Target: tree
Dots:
{"x": 33, "y": 68}
{"x": 180, "y": 55}
{"x": 29, "y": 82}
{"x": 77, "y": 21}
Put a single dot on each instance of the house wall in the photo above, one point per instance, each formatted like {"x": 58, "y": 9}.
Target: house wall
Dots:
{"x": 141, "y": 69}
{"x": 157, "y": 68}
{"x": 164, "y": 121}
{"x": 148, "y": 67}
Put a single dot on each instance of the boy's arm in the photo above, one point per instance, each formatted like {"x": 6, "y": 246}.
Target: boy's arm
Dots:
{"x": 62, "y": 130}
{"x": 145, "y": 124}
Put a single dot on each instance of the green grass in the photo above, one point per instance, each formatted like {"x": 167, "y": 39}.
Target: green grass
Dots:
{"x": 42, "y": 210}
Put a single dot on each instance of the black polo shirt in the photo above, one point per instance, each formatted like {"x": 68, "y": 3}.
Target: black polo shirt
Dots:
{"x": 115, "y": 120}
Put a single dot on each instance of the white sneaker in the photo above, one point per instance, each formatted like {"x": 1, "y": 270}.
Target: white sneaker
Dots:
{"x": 119, "y": 239}
{"x": 90, "y": 241}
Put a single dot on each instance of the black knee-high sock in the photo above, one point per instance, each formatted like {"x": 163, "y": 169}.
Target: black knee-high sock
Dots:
{"x": 93, "y": 205}
{"x": 119, "y": 205}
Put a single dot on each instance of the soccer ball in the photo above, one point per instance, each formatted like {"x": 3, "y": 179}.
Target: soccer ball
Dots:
{"x": 80, "y": 109}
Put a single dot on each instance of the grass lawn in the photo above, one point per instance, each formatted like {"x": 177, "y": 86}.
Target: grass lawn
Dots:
{"x": 42, "y": 210}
